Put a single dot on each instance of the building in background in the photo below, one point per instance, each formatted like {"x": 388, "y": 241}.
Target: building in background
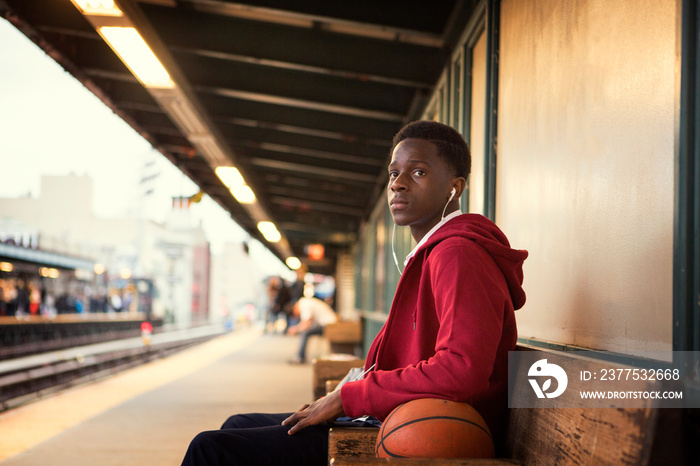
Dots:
{"x": 138, "y": 264}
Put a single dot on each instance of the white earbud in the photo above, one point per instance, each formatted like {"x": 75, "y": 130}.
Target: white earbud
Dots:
{"x": 452, "y": 194}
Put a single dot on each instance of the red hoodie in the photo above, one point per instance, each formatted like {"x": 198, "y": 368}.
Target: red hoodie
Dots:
{"x": 450, "y": 326}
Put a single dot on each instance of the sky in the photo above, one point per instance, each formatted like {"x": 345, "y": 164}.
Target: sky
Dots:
{"x": 50, "y": 124}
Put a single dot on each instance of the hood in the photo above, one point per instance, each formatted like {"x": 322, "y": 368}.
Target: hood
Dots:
{"x": 485, "y": 233}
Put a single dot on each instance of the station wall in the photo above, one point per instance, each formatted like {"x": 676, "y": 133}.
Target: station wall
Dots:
{"x": 585, "y": 167}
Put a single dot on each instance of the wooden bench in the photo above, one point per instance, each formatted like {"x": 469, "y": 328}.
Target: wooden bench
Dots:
{"x": 554, "y": 435}
{"x": 345, "y": 337}
{"x": 328, "y": 371}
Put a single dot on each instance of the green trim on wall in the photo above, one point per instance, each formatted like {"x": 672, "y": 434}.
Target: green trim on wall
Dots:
{"x": 686, "y": 230}
{"x": 493, "y": 18}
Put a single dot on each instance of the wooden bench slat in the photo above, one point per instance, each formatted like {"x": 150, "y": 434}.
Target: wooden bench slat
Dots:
{"x": 343, "y": 332}
{"x": 581, "y": 435}
{"x": 344, "y": 337}
{"x": 352, "y": 441}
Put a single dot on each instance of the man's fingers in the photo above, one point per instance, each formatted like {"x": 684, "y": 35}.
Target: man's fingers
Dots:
{"x": 308, "y": 418}
{"x": 297, "y": 424}
{"x": 301, "y": 424}
{"x": 293, "y": 418}
{"x": 296, "y": 428}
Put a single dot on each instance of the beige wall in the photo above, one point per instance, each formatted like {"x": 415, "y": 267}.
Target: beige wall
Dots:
{"x": 478, "y": 115}
{"x": 585, "y": 167}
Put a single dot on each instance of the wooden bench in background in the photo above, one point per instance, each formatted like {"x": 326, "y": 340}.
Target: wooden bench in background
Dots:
{"x": 345, "y": 337}
{"x": 330, "y": 370}
{"x": 545, "y": 436}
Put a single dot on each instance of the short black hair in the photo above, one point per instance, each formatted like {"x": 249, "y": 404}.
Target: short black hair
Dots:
{"x": 450, "y": 144}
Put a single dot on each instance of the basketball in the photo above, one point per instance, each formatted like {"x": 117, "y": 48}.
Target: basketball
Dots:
{"x": 432, "y": 428}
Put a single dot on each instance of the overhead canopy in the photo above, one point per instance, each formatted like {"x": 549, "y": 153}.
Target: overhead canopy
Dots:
{"x": 35, "y": 256}
{"x": 302, "y": 97}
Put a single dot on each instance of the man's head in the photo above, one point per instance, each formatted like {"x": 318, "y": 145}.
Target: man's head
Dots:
{"x": 427, "y": 174}
{"x": 450, "y": 144}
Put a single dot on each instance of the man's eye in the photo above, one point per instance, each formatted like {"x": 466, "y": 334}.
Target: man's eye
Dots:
{"x": 419, "y": 173}
{"x": 393, "y": 174}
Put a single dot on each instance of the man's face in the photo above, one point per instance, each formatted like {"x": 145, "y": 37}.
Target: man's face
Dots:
{"x": 420, "y": 182}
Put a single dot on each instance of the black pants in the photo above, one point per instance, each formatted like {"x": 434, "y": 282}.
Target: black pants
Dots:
{"x": 305, "y": 335}
{"x": 258, "y": 439}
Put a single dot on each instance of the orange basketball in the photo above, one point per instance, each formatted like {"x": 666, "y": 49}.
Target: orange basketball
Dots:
{"x": 432, "y": 428}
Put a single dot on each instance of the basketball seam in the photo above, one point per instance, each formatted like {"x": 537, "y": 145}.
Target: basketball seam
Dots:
{"x": 381, "y": 441}
{"x": 432, "y": 418}
{"x": 393, "y": 455}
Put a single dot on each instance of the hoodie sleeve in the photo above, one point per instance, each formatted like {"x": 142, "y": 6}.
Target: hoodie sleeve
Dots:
{"x": 470, "y": 297}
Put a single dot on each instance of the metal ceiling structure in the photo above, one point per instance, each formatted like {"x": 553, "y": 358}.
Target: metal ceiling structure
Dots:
{"x": 302, "y": 97}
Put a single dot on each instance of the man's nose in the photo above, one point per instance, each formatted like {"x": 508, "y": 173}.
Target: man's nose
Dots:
{"x": 397, "y": 184}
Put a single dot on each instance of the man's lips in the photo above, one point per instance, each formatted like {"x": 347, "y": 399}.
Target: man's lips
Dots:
{"x": 398, "y": 203}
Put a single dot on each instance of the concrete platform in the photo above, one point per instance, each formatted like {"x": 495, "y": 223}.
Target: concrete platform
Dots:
{"x": 148, "y": 415}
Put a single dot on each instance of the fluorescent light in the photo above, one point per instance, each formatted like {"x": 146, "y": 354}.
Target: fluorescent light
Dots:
{"x": 98, "y": 7}
{"x": 269, "y": 231}
{"x": 99, "y": 269}
{"x": 230, "y": 176}
{"x": 6, "y": 267}
{"x": 138, "y": 57}
{"x": 232, "y": 179}
{"x": 243, "y": 194}
{"x": 293, "y": 263}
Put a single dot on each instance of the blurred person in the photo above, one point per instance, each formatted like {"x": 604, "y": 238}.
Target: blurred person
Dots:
{"x": 34, "y": 300}
{"x": 11, "y": 293}
{"x": 278, "y": 295}
{"x": 296, "y": 291}
{"x": 22, "y": 294}
{"x": 313, "y": 315}
{"x": 3, "y": 304}
{"x": 79, "y": 308}
{"x": 102, "y": 303}
{"x": 128, "y": 300}
{"x": 116, "y": 302}
{"x": 49, "y": 306}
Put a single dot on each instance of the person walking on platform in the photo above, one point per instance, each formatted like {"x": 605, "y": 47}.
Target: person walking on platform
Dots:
{"x": 278, "y": 296}
{"x": 313, "y": 315}
{"x": 296, "y": 292}
{"x": 449, "y": 330}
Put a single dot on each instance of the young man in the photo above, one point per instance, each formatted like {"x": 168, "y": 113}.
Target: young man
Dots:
{"x": 450, "y": 327}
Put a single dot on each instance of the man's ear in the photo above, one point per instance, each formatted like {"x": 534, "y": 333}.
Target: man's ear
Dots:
{"x": 459, "y": 184}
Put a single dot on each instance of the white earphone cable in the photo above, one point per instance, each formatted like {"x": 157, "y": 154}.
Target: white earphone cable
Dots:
{"x": 393, "y": 250}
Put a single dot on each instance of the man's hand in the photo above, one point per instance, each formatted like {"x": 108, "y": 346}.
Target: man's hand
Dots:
{"x": 324, "y": 409}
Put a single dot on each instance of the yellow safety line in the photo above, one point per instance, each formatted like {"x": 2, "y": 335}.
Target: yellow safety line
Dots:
{"x": 26, "y": 426}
